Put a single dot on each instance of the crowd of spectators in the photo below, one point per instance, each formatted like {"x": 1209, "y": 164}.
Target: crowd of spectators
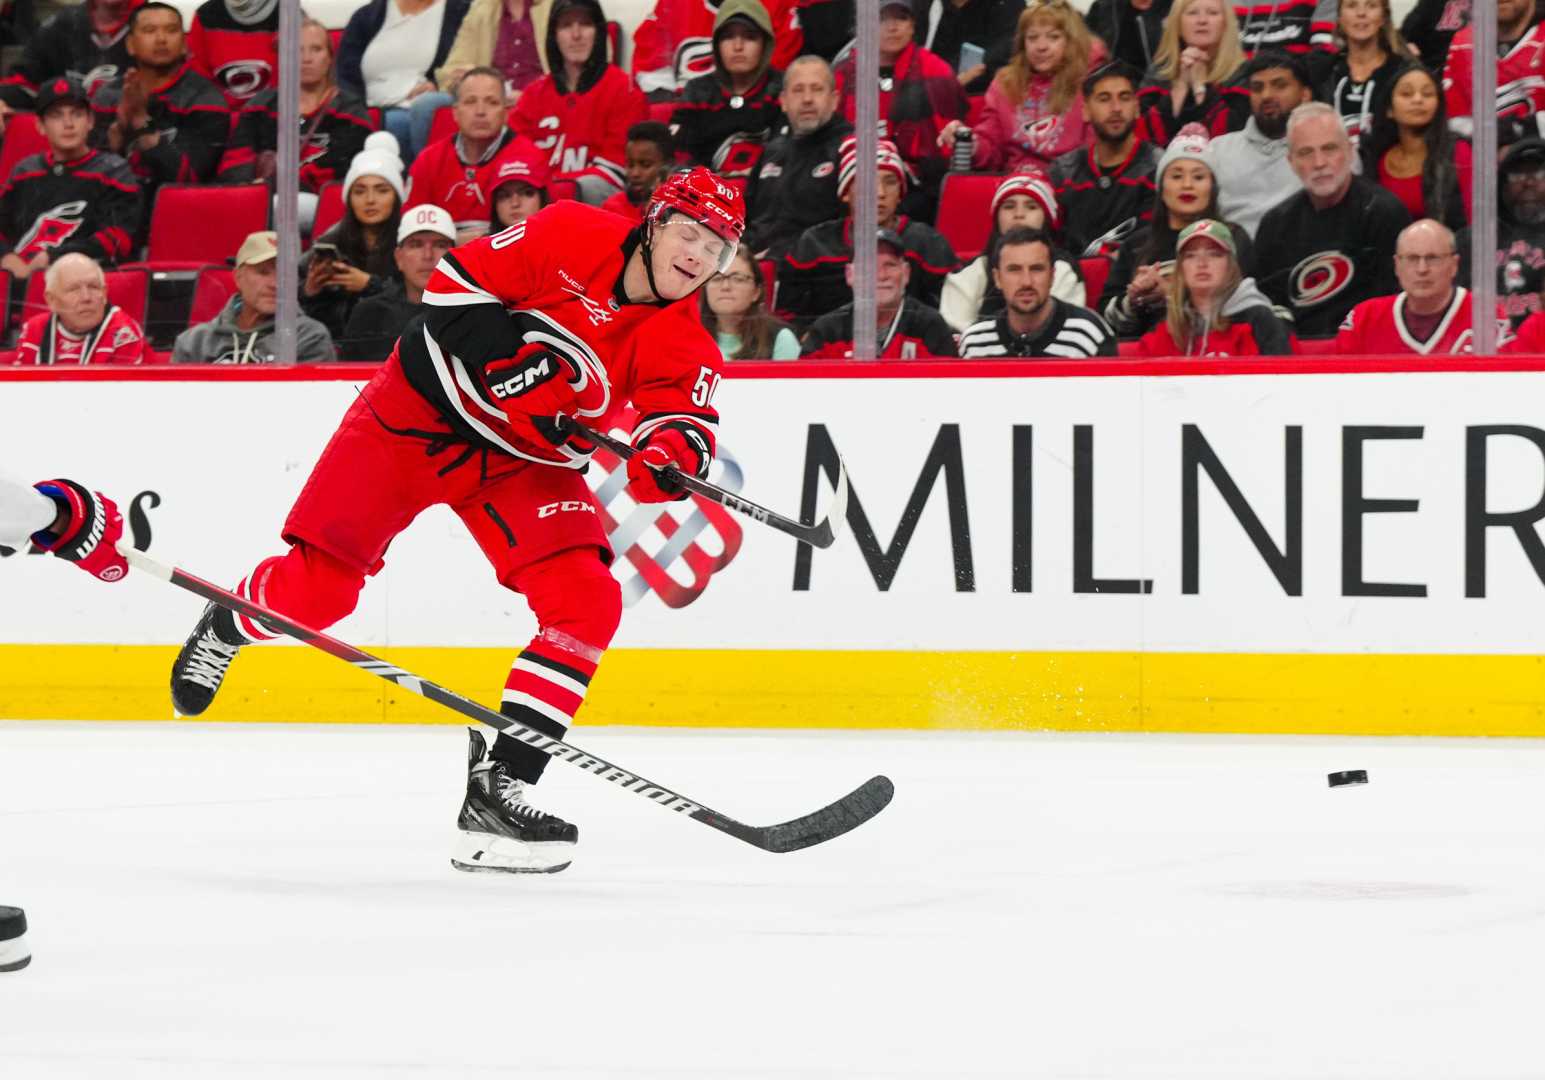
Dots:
{"x": 1148, "y": 177}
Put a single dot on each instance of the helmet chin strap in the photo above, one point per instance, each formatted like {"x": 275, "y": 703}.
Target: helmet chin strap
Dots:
{"x": 647, "y": 249}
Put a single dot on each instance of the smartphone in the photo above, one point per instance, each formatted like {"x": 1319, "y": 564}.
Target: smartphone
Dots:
{"x": 970, "y": 56}
{"x": 325, "y": 252}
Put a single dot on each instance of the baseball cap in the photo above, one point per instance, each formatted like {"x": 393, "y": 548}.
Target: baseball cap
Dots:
{"x": 904, "y": 4}
{"x": 426, "y": 217}
{"x": 890, "y": 238}
{"x": 1207, "y": 229}
{"x": 258, "y": 247}
{"x": 63, "y": 88}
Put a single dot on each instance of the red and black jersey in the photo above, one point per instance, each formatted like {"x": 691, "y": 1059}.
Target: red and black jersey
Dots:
{"x": 674, "y": 43}
{"x": 1520, "y": 86}
{"x": 915, "y": 331}
{"x": 240, "y": 59}
{"x": 918, "y": 96}
{"x": 117, "y": 339}
{"x": 1101, "y": 208}
{"x": 1381, "y": 327}
{"x": 586, "y": 133}
{"x": 1225, "y": 107}
{"x": 1296, "y": 26}
{"x": 440, "y": 176}
{"x": 725, "y": 131}
{"x": 67, "y": 45}
{"x": 555, "y": 281}
{"x": 90, "y": 205}
{"x": 811, "y": 280}
{"x": 190, "y": 115}
{"x": 329, "y": 139}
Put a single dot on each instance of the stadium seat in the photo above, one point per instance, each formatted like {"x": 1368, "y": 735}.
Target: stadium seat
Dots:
{"x": 963, "y": 218}
{"x": 1095, "y": 271}
{"x": 196, "y": 223}
{"x": 329, "y": 208}
{"x": 22, "y": 137}
{"x": 130, "y": 290}
{"x": 443, "y": 126}
{"x": 215, "y": 285}
{"x": 33, "y": 302}
{"x": 1314, "y": 346}
{"x": 975, "y": 105}
{"x": 769, "y": 271}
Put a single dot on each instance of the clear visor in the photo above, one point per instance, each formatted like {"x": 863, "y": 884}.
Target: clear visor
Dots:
{"x": 702, "y": 242}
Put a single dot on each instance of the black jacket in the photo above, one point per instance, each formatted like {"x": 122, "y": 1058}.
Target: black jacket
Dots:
{"x": 812, "y": 281}
{"x": 1520, "y": 246}
{"x": 708, "y": 117}
{"x": 1100, "y": 208}
{"x": 794, "y": 187}
{"x": 362, "y": 28}
{"x": 91, "y": 206}
{"x": 192, "y": 118}
{"x": 377, "y": 323}
{"x": 1432, "y": 24}
{"x": 64, "y": 45}
{"x": 989, "y": 24}
{"x": 1131, "y": 35}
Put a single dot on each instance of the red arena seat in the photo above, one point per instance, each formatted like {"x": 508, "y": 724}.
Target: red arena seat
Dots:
{"x": 329, "y": 208}
{"x": 443, "y": 126}
{"x": 1095, "y": 271}
{"x": 129, "y": 290}
{"x": 215, "y": 285}
{"x": 33, "y": 302}
{"x": 22, "y": 138}
{"x": 194, "y": 223}
{"x": 963, "y": 217}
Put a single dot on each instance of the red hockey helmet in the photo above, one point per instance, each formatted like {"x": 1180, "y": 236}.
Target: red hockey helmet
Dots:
{"x": 703, "y": 197}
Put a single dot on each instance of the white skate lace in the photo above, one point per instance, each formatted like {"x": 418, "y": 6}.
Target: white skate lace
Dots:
{"x": 512, "y": 793}
{"x": 210, "y": 660}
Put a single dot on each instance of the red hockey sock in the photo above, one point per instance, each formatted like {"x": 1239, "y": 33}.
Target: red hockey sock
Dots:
{"x": 578, "y": 605}
{"x": 306, "y": 583}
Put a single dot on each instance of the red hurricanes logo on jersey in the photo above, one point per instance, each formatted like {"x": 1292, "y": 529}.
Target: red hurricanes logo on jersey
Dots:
{"x": 52, "y": 228}
{"x": 670, "y": 549}
{"x": 1320, "y": 277}
{"x": 243, "y": 78}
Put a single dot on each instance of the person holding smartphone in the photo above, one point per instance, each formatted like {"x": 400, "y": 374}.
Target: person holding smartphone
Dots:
{"x": 975, "y": 37}
{"x": 355, "y": 258}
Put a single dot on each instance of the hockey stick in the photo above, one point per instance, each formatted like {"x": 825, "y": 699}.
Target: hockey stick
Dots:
{"x": 822, "y": 534}
{"x": 847, "y": 813}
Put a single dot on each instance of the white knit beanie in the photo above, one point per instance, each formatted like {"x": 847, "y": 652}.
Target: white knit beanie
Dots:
{"x": 1192, "y": 143}
{"x": 375, "y": 163}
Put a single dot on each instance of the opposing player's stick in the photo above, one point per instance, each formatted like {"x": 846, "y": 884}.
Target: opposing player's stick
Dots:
{"x": 822, "y": 534}
{"x": 847, "y": 813}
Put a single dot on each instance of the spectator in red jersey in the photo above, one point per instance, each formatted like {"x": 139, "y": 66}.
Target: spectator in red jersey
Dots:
{"x": 69, "y": 198}
{"x": 651, "y": 155}
{"x": 1198, "y": 75}
{"x": 457, "y": 173}
{"x": 1413, "y": 153}
{"x": 580, "y": 112}
{"x": 1213, "y": 309}
{"x": 1529, "y": 339}
{"x": 517, "y": 190}
{"x": 86, "y": 41}
{"x": 905, "y": 327}
{"x": 812, "y": 278}
{"x": 424, "y": 235}
{"x": 80, "y": 326}
{"x": 1520, "y": 74}
{"x": 919, "y": 96}
{"x": 674, "y": 43}
{"x": 353, "y": 260}
{"x": 334, "y": 125}
{"x": 1137, "y": 291}
{"x": 1357, "y": 77}
{"x": 388, "y": 56}
{"x": 726, "y": 116}
{"x": 236, "y": 44}
{"x": 1024, "y": 200}
{"x": 167, "y": 119}
{"x": 1034, "y": 111}
{"x": 1106, "y": 189}
{"x": 1430, "y": 316}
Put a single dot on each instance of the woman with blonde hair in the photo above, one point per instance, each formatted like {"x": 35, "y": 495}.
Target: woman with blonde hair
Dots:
{"x": 1197, "y": 75}
{"x": 1214, "y": 310}
{"x": 1034, "y": 110}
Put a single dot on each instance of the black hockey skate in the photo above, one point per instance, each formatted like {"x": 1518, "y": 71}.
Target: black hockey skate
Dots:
{"x": 500, "y": 831}
{"x": 205, "y": 658}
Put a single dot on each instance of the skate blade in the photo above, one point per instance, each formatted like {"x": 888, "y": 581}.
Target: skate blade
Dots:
{"x": 14, "y": 954}
{"x": 484, "y": 853}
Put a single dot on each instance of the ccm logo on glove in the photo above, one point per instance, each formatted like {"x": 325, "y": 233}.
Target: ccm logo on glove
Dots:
{"x": 533, "y": 371}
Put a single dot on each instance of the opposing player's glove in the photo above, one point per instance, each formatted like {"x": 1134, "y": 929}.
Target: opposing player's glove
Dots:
{"x": 91, "y": 532}
{"x": 532, "y": 388}
{"x": 682, "y": 447}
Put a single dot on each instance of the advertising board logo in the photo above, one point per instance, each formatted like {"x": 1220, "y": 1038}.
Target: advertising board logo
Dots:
{"x": 670, "y": 549}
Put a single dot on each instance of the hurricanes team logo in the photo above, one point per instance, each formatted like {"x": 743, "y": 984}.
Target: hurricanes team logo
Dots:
{"x": 694, "y": 57}
{"x": 243, "y": 78}
{"x": 670, "y": 549}
{"x": 52, "y": 228}
{"x": 1320, "y": 277}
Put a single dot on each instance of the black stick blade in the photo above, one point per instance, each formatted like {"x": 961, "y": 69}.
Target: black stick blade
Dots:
{"x": 827, "y": 823}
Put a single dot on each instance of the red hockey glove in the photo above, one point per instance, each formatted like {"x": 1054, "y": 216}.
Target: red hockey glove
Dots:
{"x": 532, "y": 388}
{"x": 89, "y": 536}
{"x": 684, "y": 449}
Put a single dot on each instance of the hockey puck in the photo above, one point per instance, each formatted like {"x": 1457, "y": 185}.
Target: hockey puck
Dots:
{"x": 14, "y": 953}
{"x": 1351, "y": 776}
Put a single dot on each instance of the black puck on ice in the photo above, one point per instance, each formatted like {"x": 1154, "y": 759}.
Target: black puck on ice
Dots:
{"x": 14, "y": 953}
{"x": 1351, "y": 776}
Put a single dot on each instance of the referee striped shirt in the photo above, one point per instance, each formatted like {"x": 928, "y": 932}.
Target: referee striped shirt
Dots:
{"x": 1072, "y": 333}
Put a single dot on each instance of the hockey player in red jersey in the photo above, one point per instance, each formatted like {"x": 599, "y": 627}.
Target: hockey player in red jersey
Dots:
{"x": 572, "y": 311}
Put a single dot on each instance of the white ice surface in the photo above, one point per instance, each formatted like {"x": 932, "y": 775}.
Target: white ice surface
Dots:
{"x": 253, "y": 901}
